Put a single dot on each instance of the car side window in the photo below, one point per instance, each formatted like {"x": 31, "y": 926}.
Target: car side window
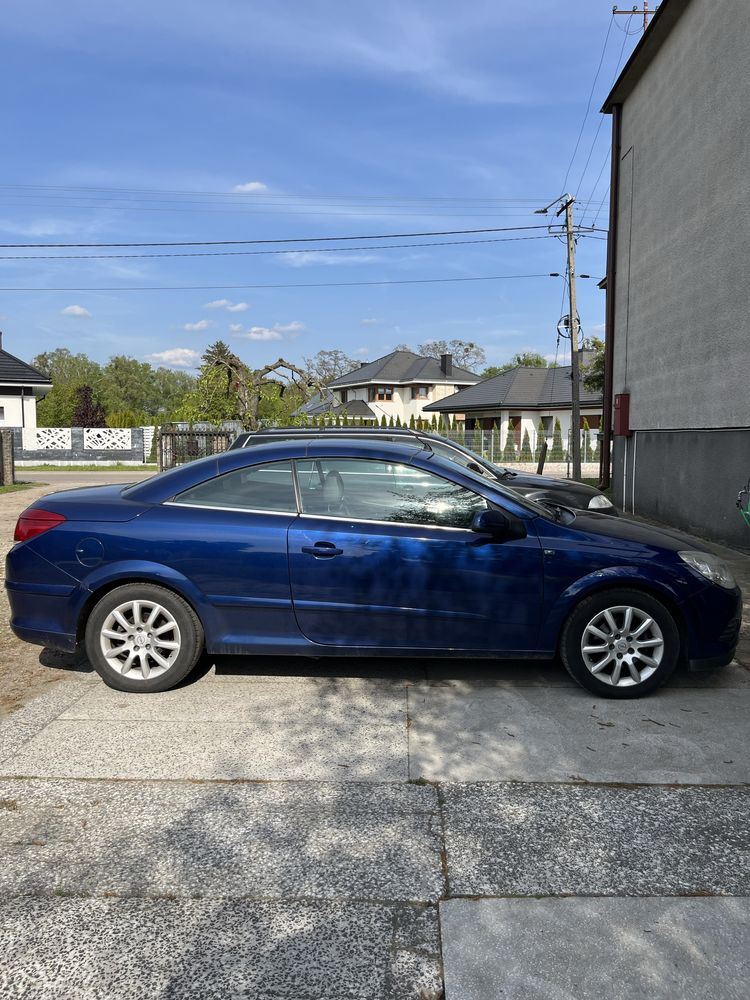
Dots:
{"x": 257, "y": 487}
{"x": 377, "y": 490}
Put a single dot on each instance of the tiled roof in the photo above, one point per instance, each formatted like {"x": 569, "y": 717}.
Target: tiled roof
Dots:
{"x": 403, "y": 366}
{"x": 16, "y": 372}
{"x": 517, "y": 389}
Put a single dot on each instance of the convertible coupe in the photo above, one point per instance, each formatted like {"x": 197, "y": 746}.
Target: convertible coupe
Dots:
{"x": 341, "y": 547}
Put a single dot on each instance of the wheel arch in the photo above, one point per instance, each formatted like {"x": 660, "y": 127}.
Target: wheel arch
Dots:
{"x": 659, "y": 593}
{"x": 171, "y": 582}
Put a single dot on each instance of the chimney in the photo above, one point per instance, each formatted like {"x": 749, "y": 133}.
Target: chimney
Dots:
{"x": 446, "y": 365}
{"x": 363, "y": 364}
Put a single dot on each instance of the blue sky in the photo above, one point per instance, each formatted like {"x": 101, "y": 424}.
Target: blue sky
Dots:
{"x": 166, "y": 121}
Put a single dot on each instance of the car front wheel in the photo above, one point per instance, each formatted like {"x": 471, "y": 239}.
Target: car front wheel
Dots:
{"x": 143, "y": 638}
{"x": 620, "y": 643}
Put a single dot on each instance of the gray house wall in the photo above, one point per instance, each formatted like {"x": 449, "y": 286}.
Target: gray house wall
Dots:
{"x": 682, "y": 278}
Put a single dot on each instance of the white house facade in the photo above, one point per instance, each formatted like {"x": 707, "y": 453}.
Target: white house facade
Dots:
{"x": 20, "y": 388}
{"x": 400, "y": 385}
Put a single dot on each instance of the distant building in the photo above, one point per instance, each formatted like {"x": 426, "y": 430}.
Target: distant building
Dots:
{"x": 401, "y": 384}
{"x": 520, "y": 400}
{"x": 678, "y": 305}
{"x": 20, "y": 388}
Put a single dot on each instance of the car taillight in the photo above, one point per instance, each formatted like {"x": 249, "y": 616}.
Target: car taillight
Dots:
{"x": 35, "y": 521}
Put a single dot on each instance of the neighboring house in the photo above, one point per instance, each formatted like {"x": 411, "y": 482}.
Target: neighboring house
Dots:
{"x": 678, "y": 316}
{"x": 20, "y": 388}
{"x": 521, "y": 399}
{"x": 401, "y": 384}
{"x": 327, "y": 403}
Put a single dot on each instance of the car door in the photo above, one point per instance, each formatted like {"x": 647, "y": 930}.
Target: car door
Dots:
{"x": 228, "y": 536}
{"x": 383, "y": 555}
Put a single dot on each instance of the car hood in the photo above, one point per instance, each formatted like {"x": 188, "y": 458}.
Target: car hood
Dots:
{"x": 530, "y": 481}
{"x": 622, "y": 529}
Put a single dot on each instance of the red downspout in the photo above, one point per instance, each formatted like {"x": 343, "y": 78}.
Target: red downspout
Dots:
{"x": 609, "y": 319}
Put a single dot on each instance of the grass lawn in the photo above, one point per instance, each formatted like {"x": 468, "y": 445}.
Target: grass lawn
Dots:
{"x": 16, "y": 487}
{"x": 90, "y": 468}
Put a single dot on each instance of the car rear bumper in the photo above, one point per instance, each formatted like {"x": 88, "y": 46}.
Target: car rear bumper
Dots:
{"x": 42, "y": 614}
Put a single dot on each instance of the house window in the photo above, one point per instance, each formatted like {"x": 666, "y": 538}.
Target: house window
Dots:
{"x": 420, "y": 392}
{"x": 547, "y": 424}
{"x": 344, "y": 395}
{"x": 381, "y": 393}
{"x": 594, "y": 421}
{"x": 2, "y": 413}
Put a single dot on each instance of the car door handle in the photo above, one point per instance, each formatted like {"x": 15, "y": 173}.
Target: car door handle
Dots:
{"x": 322, "y": 550}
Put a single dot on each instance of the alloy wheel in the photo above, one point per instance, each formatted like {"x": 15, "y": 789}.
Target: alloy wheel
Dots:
{"x": 140, "y": 639}
{"x": 622, "y": 646}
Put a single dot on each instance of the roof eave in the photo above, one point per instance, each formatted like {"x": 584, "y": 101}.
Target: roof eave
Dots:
{"x": 643, "y": 54}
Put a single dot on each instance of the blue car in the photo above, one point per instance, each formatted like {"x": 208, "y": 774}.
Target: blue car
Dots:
{"x": 359, "y": 548}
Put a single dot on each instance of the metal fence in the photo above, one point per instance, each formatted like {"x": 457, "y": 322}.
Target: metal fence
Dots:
{"x": 175, "y": 447}
{"x": 501, "y": 450}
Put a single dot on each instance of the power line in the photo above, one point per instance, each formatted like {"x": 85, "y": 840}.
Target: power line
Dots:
{"x": 260, "y": 195}
{"x": 259, "y": 253}
{"x": 601, "y": 117}
{"x": 311, "y": 284}
{"x": 588, "y": 103}
{"x": 298, "y": 239}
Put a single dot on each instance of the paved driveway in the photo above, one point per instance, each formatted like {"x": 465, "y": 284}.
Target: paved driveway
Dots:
{"x": 287, "y": 829}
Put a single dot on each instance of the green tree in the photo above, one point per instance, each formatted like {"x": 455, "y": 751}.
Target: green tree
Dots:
{"x": 557, "y": 453}
{"x": 171, "y": 388}
{"x": 526, "y": 455}
{"x": 128, "y": 418}
{"x": 128, "y": 384}
{"x": 540, "y": 439}
{"x": 509, "y": 451}
{"x": 521, "y": 359}
{"x": 593, "y": 372}
{"x": 497, "y": 446}
{"x": 67, "y": 372}
{"x": 586, "y": 449}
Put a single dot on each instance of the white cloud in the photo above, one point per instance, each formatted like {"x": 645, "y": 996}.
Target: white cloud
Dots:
{"x": 202, "y": 324}
{"x": 275, "y": 332}
{"x": 235, "y": 327}
{"x": 369, "y": 322}
{"x": 362, "y": 350}
{"x": 176, "y": 357}
{"x": 232, "y": 307}
{"x": 304, "y": 258}
{"x": 251, "y": 187}
{"x": 79, "y": 311}
{"x": 262, "y": 333}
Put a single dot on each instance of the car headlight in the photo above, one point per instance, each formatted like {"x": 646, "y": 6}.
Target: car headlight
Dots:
{"x": 710, "y": 566}
{"x": 599, "y": 501}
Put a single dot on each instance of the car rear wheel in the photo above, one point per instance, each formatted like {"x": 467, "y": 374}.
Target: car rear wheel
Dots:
{"x": 142, "y": 637}
{"x": 620, "y": 643}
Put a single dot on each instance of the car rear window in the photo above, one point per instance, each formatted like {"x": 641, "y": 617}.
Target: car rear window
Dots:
{"x": 268, "y": 487}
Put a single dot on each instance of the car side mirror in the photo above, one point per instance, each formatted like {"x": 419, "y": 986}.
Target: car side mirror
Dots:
{"x": 498, "y": 523}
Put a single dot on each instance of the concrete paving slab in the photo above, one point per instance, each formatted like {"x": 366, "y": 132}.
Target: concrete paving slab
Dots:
{"x": 50, "y": 703}
{"x": 461, "y": 733}
{"x": 254, "y": 841}
{"x": 13, "y": 735}
{"x": 267, "y": 749}
{"x": 87, "y": 949}
{"x": 329, "y": 702}
{"x": 586, "y": 949}
{"x": 531, "y": 839}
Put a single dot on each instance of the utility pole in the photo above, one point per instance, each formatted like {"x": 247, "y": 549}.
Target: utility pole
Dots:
{"x": 635, "y": 10}
{"x": 575, "y": 389}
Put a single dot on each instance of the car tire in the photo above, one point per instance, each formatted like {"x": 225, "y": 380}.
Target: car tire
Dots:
{"x": 620, "y": 643}
{"x": 143, "y": 638}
